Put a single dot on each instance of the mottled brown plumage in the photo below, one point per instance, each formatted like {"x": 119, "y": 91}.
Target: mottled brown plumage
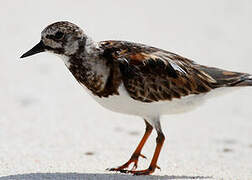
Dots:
{"x": 151, "y": 74}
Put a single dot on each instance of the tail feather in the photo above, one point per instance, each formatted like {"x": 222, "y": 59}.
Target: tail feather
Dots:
{"x": 227, "y": 78}
{"x": 243, "y": 81}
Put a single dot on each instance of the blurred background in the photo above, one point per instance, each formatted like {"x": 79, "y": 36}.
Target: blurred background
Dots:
{"x": 49, "y": 124}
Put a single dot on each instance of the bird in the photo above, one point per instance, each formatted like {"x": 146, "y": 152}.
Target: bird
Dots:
{"x": 136, "y": 79}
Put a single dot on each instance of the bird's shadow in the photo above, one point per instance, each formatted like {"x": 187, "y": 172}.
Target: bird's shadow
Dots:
{"x": 90, "y": 176}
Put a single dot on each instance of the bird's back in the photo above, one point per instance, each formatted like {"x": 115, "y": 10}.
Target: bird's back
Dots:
{"x": 150, "y": 74}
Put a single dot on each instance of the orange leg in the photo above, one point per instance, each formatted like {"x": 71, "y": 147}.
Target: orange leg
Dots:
{"x": 137, "y": 152}
{"x": 153, "y": 165}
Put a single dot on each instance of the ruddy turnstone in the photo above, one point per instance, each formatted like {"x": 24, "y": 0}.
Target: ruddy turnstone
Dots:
{"x": 135, "y": 79}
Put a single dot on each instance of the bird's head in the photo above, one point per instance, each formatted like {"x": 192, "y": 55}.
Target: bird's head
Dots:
{"x": 63, "y": 38}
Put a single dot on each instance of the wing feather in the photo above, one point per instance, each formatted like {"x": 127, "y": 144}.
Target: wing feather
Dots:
{"x": 150, "y": 74}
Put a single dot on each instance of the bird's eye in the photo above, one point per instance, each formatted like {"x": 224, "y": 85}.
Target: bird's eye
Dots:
{"x": 59, "y": 35}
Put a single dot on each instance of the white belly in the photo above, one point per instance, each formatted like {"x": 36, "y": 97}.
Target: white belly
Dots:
{"x": 123, "y": 103}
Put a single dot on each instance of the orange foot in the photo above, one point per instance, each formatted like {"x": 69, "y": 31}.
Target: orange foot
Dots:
{"x": 140, "y": 172}
{"x": 133, "y": 159}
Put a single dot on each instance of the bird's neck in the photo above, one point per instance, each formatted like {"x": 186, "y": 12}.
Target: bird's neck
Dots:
{"x": 88, "y": 67}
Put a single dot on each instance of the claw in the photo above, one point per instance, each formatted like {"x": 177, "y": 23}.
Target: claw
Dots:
{"x": 124, "y": 171}
{"x": 110, "y": 169}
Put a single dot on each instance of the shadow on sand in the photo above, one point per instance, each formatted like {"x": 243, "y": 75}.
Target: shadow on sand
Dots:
{"x": 90, "y": 176}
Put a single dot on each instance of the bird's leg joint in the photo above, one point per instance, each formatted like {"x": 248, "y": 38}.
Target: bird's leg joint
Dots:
{"x": 160, "y": 138}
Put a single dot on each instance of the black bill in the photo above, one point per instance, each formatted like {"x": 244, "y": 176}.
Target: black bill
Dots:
{"x": 40, "y": 47}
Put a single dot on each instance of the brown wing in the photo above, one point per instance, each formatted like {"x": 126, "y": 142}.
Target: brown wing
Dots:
{"x": 150, "y": 74}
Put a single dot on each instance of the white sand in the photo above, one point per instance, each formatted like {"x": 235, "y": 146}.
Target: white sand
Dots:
{"x": 48, "y": 124}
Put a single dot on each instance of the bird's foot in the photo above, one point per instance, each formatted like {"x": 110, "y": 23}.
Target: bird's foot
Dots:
{"x": 140, "y": 172}
{"x": 133, "y": 159}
